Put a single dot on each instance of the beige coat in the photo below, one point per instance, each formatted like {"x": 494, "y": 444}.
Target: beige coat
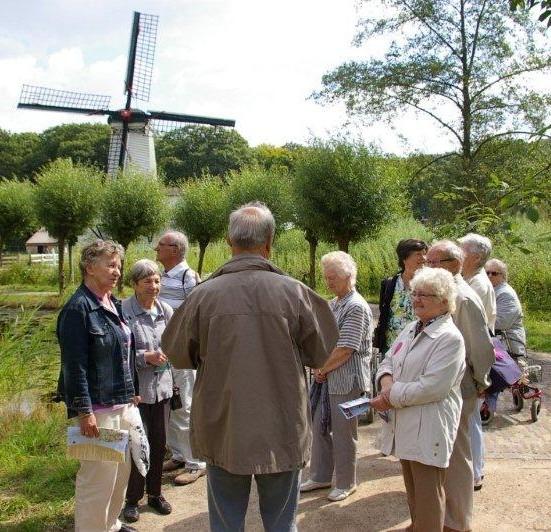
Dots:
{"x": 470, "y": 319}
{"x": 483, "y": 288}
{"x": 250, "y": 330}
{"x": 427, "y": 372}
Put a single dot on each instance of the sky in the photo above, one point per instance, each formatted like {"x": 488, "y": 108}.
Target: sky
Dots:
{"x": 255, "y": 61}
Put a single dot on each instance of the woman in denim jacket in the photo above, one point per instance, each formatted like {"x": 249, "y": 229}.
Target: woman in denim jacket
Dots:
{"x": 97, "y": 381}
{"x": 148, "y": 316}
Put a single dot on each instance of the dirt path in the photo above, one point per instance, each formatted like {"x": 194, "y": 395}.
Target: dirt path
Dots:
{"x": 516, "y": 493}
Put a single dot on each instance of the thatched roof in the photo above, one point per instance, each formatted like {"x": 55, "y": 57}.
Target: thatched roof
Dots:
{"x": 41, "y": 237}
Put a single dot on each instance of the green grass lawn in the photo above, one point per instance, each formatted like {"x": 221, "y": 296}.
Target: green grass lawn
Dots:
{"x": 538, "y": 330}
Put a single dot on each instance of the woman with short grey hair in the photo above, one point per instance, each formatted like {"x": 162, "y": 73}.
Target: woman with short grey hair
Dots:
{"x": 148, "y": 316}
{"x": 420, "y": 394}
{"x": 344, "y": 376}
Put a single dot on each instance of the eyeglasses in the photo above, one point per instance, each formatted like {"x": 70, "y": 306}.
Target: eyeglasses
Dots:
{"x": 165, "y": 244}
{"x": 437, "y": 262}
{"x": 419, "y": 295}
{"x": 491, "y": 274}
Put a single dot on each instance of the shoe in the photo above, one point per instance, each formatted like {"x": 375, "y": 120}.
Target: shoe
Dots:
{"x": 336, "y": 494}
{"x": 311, "y": 485}
{"x": 160, "y": 504}
{"x": 172, "y": 465}
{"x": 478, "y": 484}
{"x": 127, "y": 528}
{"x": 130, "y": 513}
{"x": 189, "y": 476}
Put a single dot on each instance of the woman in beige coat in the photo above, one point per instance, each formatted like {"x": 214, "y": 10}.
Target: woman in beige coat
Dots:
{"x": 420, "y": 392}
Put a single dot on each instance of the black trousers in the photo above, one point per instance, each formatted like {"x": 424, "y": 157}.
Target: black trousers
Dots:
{"x": 155, "y": 420}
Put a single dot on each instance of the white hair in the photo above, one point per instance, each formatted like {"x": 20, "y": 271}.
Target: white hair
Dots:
{"x": 477, "y": 244}
{"x": 343, "y": 264}
{"x": 251, "y": 226}
{"x": 438, "y": 281}
{"x": 143, "y": 268}
{"x": 500, "y": 266}
{"x": 450, "y": 248}
{"x": 179, "y": 240}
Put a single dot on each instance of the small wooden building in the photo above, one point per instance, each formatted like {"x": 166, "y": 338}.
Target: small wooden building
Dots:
{"x": 41, "y": 242}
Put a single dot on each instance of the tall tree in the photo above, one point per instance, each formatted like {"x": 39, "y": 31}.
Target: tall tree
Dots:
{"x": 463, "y": 63}
{"x": 191, "y": 151}
{"x": 202, "y": 212}
{"x": 18, "y": 154}
{"x": 17, "y": 215}
{"x": 344, "y": 194}
{"x": 67, "y": 197}
{"x": 134, "y": 205}
{"x": 257, "y": 184}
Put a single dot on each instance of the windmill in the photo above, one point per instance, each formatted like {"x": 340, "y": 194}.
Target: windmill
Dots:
{"x": 132, "y": 129}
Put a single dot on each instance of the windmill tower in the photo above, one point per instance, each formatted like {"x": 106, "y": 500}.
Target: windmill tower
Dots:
{"x": 132, "y": 130}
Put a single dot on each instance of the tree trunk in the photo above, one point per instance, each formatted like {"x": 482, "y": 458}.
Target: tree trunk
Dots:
{"x": 1, "y": 247}
{"x": 71, "y": 273}
{"x": 343, "y": 244}
{"x": 313, "y": 243}
{"x": 60, "y": 263}
{"x": 202, "y": 250}
{"x": 120, "y": 283}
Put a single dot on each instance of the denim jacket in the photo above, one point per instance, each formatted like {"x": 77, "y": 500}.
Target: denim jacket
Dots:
{"x": 93, "y": 355}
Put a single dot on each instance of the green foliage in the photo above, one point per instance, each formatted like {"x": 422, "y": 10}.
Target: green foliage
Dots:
{"x": 544, "y": 5}
{"x": 16, "y": 210}
{"x": 193, "y": 150}
{"x": 134, "y": 204}
{"x": 18, "y": 154}
{"x": 66, "y": 201}
{"x": 279, "y": 158}
{"x": 24, "y": 274}
{"x": 340, "y": 191}
{"x": 202, "y": 212}
{"x": 269, "y": 187}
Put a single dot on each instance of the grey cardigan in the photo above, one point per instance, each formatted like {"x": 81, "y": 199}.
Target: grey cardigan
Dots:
{"x": 154, "y": 385}
{"x": 509, "y": 318}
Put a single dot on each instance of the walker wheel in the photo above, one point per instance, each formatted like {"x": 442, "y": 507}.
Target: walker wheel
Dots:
{"x": 535, "y": 409}
{"x": 518, "y": 400}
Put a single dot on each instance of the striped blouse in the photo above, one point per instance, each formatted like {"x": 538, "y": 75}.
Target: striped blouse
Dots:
{"x": 355, "y": 323}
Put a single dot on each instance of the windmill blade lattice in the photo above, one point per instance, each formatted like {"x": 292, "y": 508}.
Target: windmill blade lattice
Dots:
{"x": 43, "y": 98}
{"x": 141, "y": 56}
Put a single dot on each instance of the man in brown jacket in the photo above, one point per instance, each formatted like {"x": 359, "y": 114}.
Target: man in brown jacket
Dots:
{"x": 249, "y": 331}
{"x": 470, "y": 318}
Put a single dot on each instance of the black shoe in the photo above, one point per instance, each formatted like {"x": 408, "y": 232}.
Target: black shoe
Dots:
{"x": 130, "y": 513}
{"x": 127, "y": 528}
{"x": 160, "y": 504}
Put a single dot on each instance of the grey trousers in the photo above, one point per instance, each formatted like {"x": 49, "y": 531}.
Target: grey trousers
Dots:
{"x": 336, "y": 451}
{"x": 228, "y": 498}
{"x": 460, "y": 478}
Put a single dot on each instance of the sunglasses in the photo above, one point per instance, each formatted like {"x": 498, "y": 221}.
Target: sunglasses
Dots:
{"x": 491, "y": 274}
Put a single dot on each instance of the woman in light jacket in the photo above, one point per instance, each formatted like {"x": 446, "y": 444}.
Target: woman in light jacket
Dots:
{"x": 420, "y": 381}
{"x": 148, "y": 316}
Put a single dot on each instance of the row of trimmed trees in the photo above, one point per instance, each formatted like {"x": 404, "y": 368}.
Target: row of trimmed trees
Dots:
{"x": 339, "y": 192}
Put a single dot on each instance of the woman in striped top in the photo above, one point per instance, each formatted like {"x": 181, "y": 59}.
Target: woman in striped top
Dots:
{"x": 344, "y": 376}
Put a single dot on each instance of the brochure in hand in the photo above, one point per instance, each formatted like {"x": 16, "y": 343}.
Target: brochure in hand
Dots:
{"x": 110, "y": 446}
{"x": 356, "y": 407}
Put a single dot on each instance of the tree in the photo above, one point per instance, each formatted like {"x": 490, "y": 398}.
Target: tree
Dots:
{"x": 344, "y": 193}
{"x": 202, "y": 212}
{"x": 191, "y": 151}
{"x": 463, "y": 63}
{"x": 257, "y": 184}
{"x": 274, "y": 157}
{"x": 17, "y": 215}
{"x": 134, "y": 205}
{"x": 18, "y": 154}
{"x": 544, "y": 5}
{"x": 66, "y": 201}
{"x": 87, "y": 144}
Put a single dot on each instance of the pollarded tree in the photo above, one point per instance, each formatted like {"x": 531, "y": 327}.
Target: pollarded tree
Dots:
{"x": 463, "y": 63}
{"x": 258, "y": 184}
{"x": 343, "y": 192}
{"x": 202, "y": 212}
{"x": 17, "y": 216}
{"x": 134, "y": 205}
{"x": 67, "y": 197}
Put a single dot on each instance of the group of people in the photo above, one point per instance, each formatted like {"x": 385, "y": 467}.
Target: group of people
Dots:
{"x": 238, "y": 347}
